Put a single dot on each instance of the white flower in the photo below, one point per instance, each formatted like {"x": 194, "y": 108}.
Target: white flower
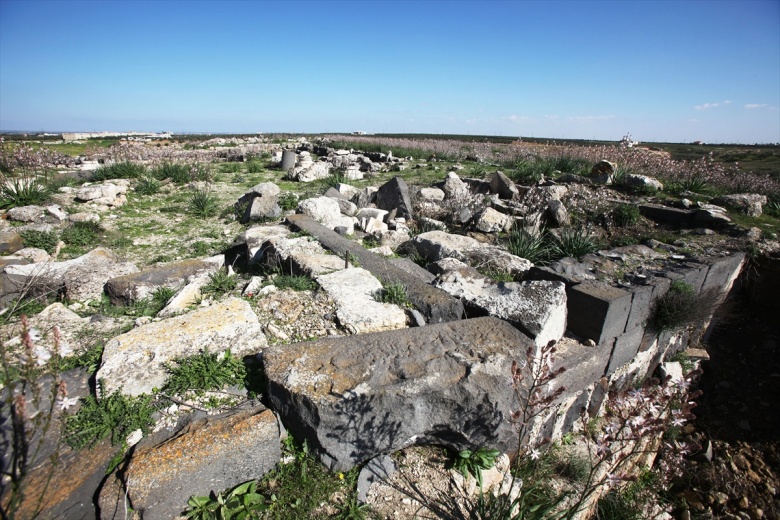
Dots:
{"x": 35, "y": 334}
{"x": 678, "y": 421}
{"x": 535, "y": 454}
{"x": 67, "y": 402}
{"x": 65, "y": 349}
{"x": 41, "y": 355}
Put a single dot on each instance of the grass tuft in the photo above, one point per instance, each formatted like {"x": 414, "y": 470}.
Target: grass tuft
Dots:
{"x": 203, "y": 372}
{"x": 204, "y": 204}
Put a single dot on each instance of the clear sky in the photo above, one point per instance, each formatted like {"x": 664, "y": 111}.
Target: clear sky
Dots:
{"x": 662, "y": 70}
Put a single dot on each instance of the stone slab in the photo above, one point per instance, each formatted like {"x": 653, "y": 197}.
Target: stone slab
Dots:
{"x": 436, "y": 305}
{"x": 354, "y": 398}
{"x": 723, "y": 272}
{"x": 124, "y": 290}
{"x": 625, "y": 348}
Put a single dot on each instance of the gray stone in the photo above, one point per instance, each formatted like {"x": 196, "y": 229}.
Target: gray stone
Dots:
{"x": 435, "y": 245}
{"x": 431, "y": 194}
{"x": 365, "y": 196}
{"x": 33, "y": 254}
{"x": 135, "y": 361}
{"x": 80, "y": 278}
{"x": 625, "y": 348}
{"x": 667, "y": 215}
{"x": 129, "y": 288}
{"x": 333, "y": 193}
{"x": 412, "y": 268}
{"x": 491, "y": 221}
{"x": 503, "y": 185}
{"x": 357, "y": 311}
{"x": 749, "y": 203}
{"x": 598, "y": 311}
{"x": 378, "y": 469}
{"x": 309, "y": 172}
{"x": 434, "y": 304}
{"x": 671, "y": 371}
{"x": 25, "y": 214}
{"x": 641, "y": 305}
{"x": 711, "y": 217}
{"x": 10, "y": 242}
{"x": 558, "y": 213}
{"x": 394, "y": 195}
{"x": 367, "y": 213}
{"x": 583, "y": 367}
{"x": 603, "y": 171}
{"x": 324, "y": 210}
{"x": 255, "y": 239}
{"x": 209, "y": 454}
{"x": 538, "y": 308}
{"x": 723, "y": 272}
{"x": 260, "y": 202}
{"x": 499, "y": 260}
{"x": 347, "y": 208}
{"x": 454, "y": 188}
{"x": 357, "y": 397}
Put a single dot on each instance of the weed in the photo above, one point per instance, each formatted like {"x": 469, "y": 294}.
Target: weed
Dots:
{"x": 119, "y": 170}
{"x": 116, "y": 415}
{"x": 177, "y": 172}
{"x": 469, "y": 462}
{"x": 676, "y": 308}
{"x": 625, "y": 215}
{"x": 294, "y": 282}
{"x": 334, "y": 179}
{"x": 230, "y": 167}
{"x": 121, "y": 242}
{"x": 527, "y": 244}
{"x": 535, "y": 502}
{"x": 204, "y": 204}
{"x": 685, "y": 362}
{"x": 241, "y": 502}
{"x": 370, "y": 241}
{"x": 772, "y": 208}
{"x": 201, "y": 248}
{"x": 394, "y": 293}
{"x": 205, "y": 371}
{"x": 574, "y": 243}
{"x": 46, "y": 240}
{"x": 288, "y": 201}
{"x": 220, "y": 283}
{"x": 21, "y": 191}
{"x": 82, "y": 234}
{"x": 254, "y": 167}
{"x": 147, "y": 186}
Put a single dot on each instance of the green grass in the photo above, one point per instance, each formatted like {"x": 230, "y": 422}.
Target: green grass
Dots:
{"x": 82, "y": 234}
{"x": 178, "y": 173}
{"x": 676, "y": 308}
{"x": 574, "y": 243}
{"x": 220, "y": 283}
{"x": 119, "y": 170}
{"x": 46, "y": 240}
{"x": 147, "y": 186}
{"x": 21, "y": 191}
{"x": 395, "y": 294}
{"x": 230, "y": 167}
{"x": 203, "y": 372}
{"x": 524, "y": 243}
{"x": 115, "y": 415}
{"x": 204, "y": 204}
{"x": 294, "y": 282}
{"x": 288, "y": 201}
{"x": 625, "y": 215}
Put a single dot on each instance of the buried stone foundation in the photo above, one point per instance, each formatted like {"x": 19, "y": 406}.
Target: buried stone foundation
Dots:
{"x": 450, "y": 383}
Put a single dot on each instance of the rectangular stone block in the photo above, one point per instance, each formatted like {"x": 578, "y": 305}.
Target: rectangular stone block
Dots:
{"x": 598, "y": 311}
{"x": 584, "y": 366}
{"x": 722, "y": 273}
{"x": 665, "y": 214}
{"x": 690, "y": 273}
{"x": 625, "y": 349}
{"x": 641, "y": 305}
{"x": 547, "y": 274}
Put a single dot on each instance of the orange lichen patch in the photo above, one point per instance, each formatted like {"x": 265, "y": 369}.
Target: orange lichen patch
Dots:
{"x": 198, "y": 445}
{"x": 70, "y": 473}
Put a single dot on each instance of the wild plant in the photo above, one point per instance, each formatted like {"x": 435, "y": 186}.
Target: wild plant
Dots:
{"x": 34, "y": 396}
{"x": 204, "y": 204}
{"x": 574, "y": 243}
{"x": 528, "y": 244}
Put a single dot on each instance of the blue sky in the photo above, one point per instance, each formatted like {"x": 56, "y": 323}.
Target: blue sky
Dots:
{"x": 662, "y": 70}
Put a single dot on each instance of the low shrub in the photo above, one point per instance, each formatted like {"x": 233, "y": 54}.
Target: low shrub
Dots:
{"x": 46, "y": 240}
{"x": 625, "y": 215}
{"x": 288, "y": 201}
{"x": 676, "y": 308}
{"x": 220, "y": 283}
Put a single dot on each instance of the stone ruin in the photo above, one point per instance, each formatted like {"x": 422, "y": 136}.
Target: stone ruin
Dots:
{"x": 444, "y": 380}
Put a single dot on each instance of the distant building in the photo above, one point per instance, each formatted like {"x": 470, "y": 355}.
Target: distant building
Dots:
{"x": 699, "y": 142}
{"x": 80, "y": 136}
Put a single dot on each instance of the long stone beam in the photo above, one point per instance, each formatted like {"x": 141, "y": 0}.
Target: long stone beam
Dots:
{"x": 436, "y": 305}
